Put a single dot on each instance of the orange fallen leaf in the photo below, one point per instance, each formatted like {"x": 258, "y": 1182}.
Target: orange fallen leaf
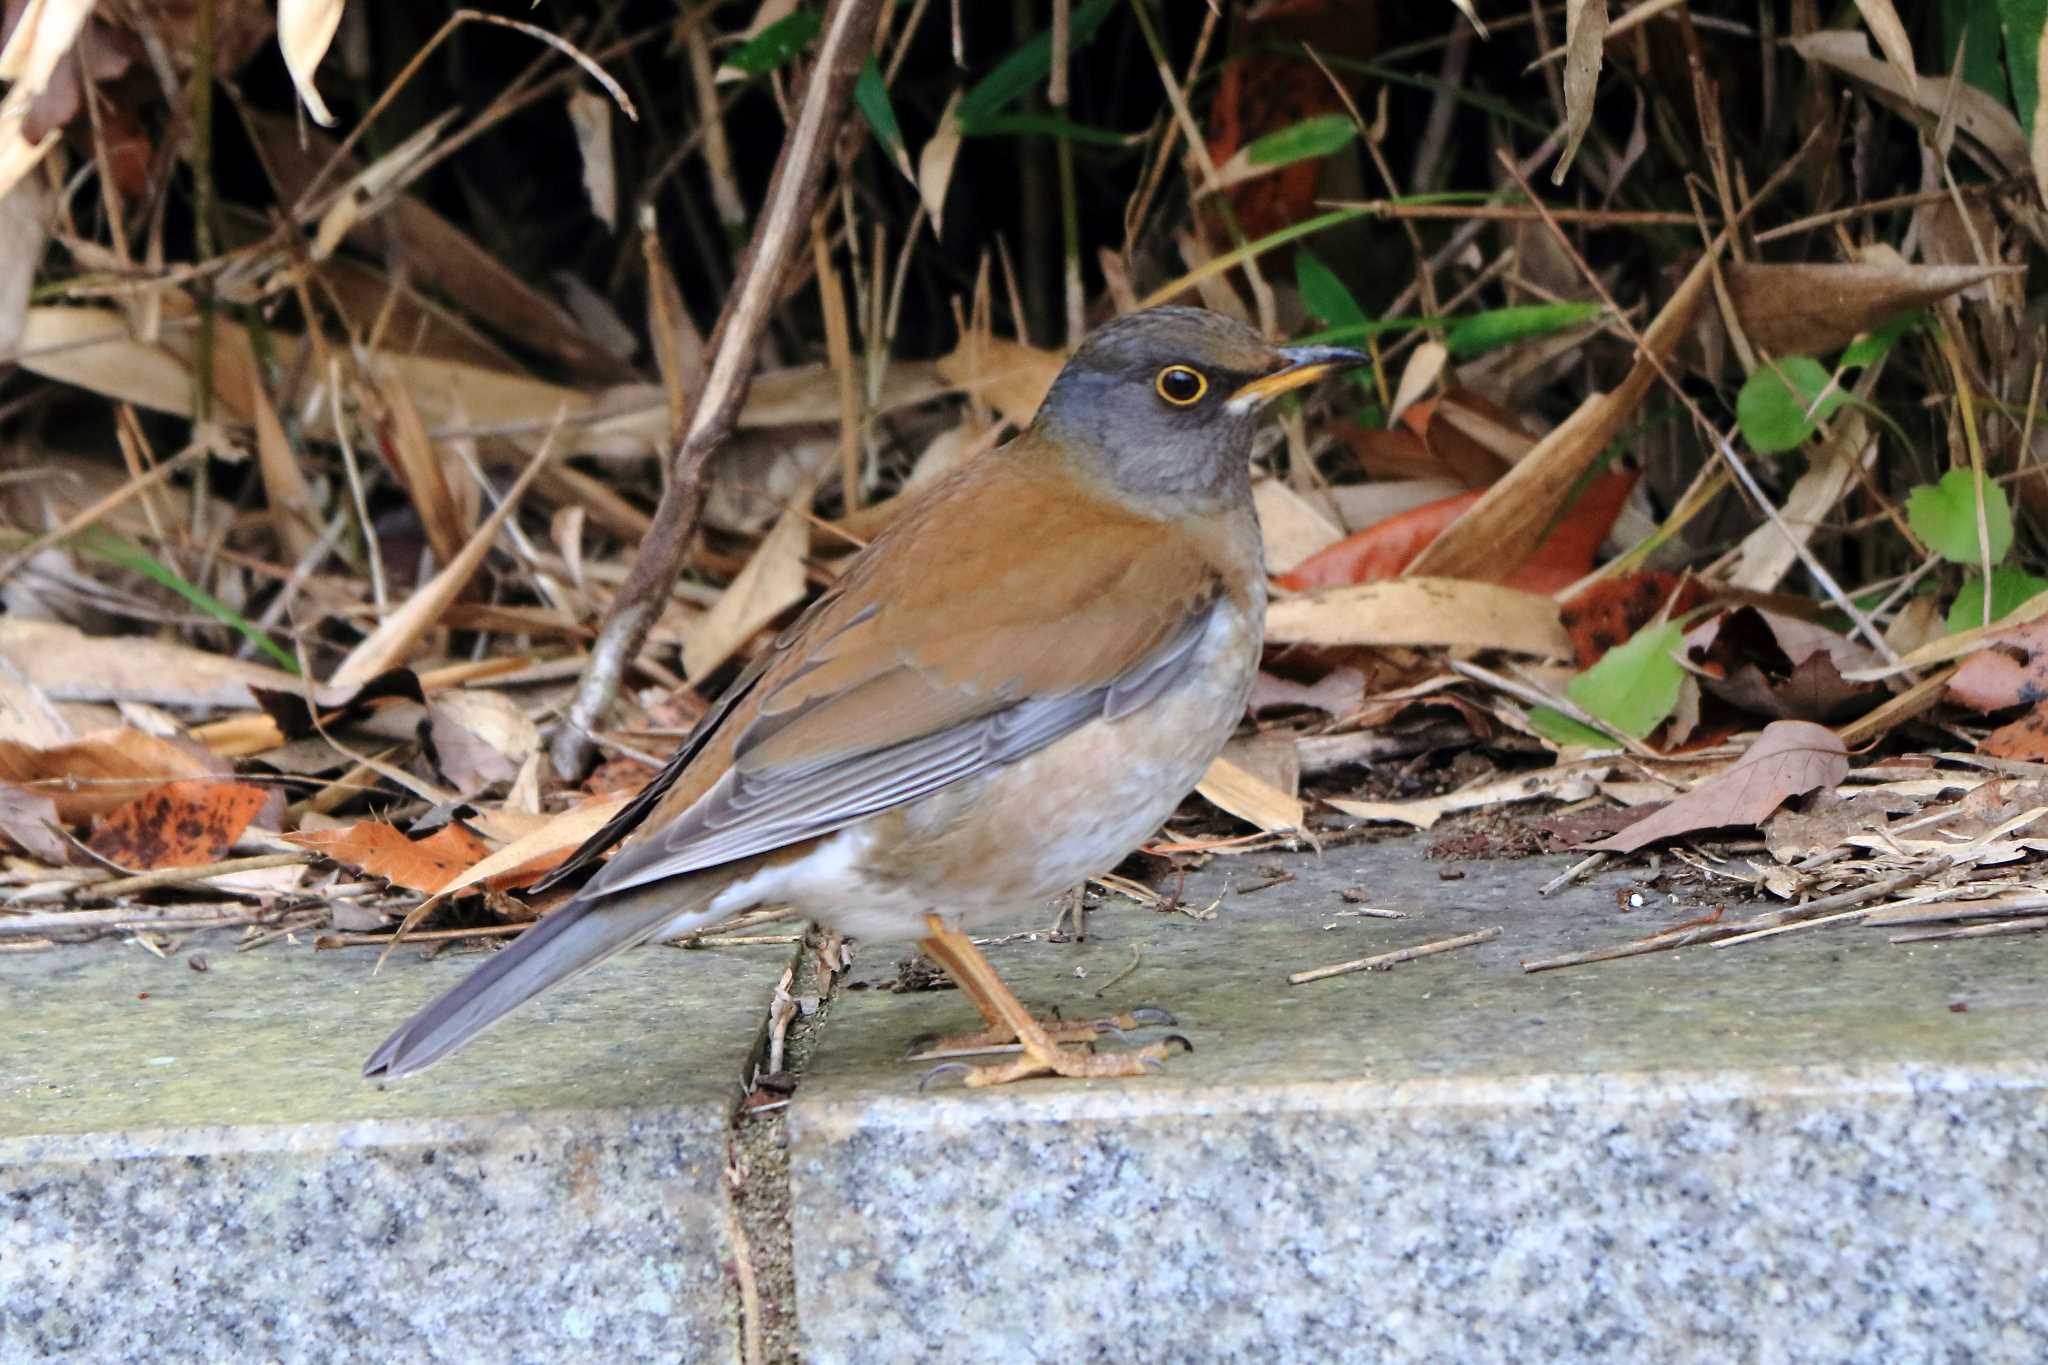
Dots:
{"x": 382, "y": 850}
{"x": 179, "y": 824}
{"x": 98, "y": 772}
{"x": 1790, "y": 758}
{"x": 1385, "y": 548}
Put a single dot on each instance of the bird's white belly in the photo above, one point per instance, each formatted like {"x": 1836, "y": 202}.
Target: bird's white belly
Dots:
{"x": 1016, "y": 836}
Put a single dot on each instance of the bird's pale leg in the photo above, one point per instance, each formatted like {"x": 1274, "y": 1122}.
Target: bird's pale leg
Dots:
{"x": 1010, "y": 1021}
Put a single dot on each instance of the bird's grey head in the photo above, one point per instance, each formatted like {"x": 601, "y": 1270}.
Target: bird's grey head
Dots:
{"x": 1166, "y": 401}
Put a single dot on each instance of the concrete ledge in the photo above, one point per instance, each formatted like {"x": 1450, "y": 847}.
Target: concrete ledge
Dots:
{"x": 192, "y": 1168}
{"x": 1794, "y": 1152}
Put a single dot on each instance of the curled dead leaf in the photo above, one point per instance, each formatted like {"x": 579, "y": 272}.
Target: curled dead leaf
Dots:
{"x": 1790, "y": 758}
{"x": 381, "y": 850}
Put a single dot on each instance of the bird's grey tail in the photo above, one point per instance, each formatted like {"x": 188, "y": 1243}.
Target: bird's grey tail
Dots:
{"x": 567, "y": 940}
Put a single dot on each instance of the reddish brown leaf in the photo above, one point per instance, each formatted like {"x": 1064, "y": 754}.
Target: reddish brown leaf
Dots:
{"x": 1383, "y": 550}
{"x": 1790, "y": 758}
{"x": 1610, "y": 611}
{"x": 2025, "y": 738}
{"x": 1782, "y": 667}
{"x": 179, "y": 824}
{"x": 2011, "y": 672}
{"x": 381, "y": 850}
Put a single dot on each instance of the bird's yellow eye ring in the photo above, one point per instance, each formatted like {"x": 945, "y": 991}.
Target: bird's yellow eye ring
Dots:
{"x": 1181, "y": 386}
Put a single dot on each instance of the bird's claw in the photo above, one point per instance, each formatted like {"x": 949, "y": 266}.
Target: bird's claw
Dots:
{"x": 939, "y": 1070}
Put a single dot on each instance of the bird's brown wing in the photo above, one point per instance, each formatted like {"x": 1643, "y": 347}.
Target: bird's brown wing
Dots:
{"x": 998, "y": 614}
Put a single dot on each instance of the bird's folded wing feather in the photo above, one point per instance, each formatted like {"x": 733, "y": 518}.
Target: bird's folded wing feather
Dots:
{"x": 905, "y": 679}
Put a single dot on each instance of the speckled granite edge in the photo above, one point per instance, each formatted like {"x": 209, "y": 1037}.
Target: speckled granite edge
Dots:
{"x": 394, "y": 1131}
{"x": 595, "y": 1237}
{"x": 1878, "y": 1213}
{"x": 1160, "y": 1098}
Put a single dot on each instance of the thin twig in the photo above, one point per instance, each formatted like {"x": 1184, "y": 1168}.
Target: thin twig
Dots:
{"x": 1584, "y": 867}
{"x": 2032, "y": 924}
{"x": 1383, "y": 961}
{"x": 190, "y": 876}
{"x": 780, "y": 230}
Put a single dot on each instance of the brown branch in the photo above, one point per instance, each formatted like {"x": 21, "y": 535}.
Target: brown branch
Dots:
{"x": 781, "y": 231}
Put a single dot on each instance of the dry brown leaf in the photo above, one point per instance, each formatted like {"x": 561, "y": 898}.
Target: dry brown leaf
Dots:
{"x": 1817, "y": 308}
{"x": 179, "y": 824}
{"x": 30, "y": 821}
{"x": 44, "y": 31}
{"x": 2037, "y": 149}
{"x": 479, "y": 738}
{"x": 559, "y": 836}
{"x": 411, "y": 455}
{"x": 771, "y": 583}
{"x": 69, "y": 665}
{"x": 1561, "y": 784}
{"x": 304, "y": 29}
{"x": 935, "y": 162}
{"x": 1250, "y": 797}
{"x": 459, "y": 267}
{"x": 382, "y": 850}
{"x": 590, "y": 114}
{"x": 1508, "y": 522}
{"x": 94, "y": 774}
{"x": 1585, "y": 31}
{"x": 1768, "y": 553}
{"x": 1418, "y": 377}
{"x": 1790, "y": 758}
{"x": 1360, "y": 505}
{"x": 18, "y": 156}
{"x": 1988, "y": 122}
{"x": 1891, "y": 40}
{"x": 1292, "y": 527}
{"x": 1010, "y": 377}
{"x": 1422, "y": 612}
{"x": 24, "y": 214}
{"x": 386, "y": 646}
{"x": 27, "y": 715}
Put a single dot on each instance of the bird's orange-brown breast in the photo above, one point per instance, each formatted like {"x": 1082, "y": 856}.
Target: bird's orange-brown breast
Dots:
{"x": 1010, "y": 579}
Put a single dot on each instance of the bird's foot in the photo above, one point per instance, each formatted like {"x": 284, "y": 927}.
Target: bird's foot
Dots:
{"x": 1049, "y": 1059}
{"x": 1001, "y": 1038}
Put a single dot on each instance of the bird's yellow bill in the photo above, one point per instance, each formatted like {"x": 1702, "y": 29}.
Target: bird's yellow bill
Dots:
{"x": 1311, "y": 363}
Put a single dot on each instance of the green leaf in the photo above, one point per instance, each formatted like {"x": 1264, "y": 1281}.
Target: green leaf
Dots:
{"x": 1304, "y": 141}
{"x": 118, "y": 549}
{"x": 1944, "y": 516}
{"x": 775, "y": 44}
{"x": 1635, "y": 684}
{"x": 873, "y": 98}
{"x": 1027, "y": 66}
{"x": 1469, "y": 336}
{"x": 1559, "y": 728}
{"x": 1323, "y": 294}
{"x": 1872, "y": 347}
{"x": 2022, "y": 21}
{"x": 1773, "y": 416}
{"x": 1977, "y": 22}
{"x": 2010, "y": 586}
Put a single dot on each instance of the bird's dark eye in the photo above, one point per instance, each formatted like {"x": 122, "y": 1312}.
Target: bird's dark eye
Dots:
{"x": 1181, "y": 386}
